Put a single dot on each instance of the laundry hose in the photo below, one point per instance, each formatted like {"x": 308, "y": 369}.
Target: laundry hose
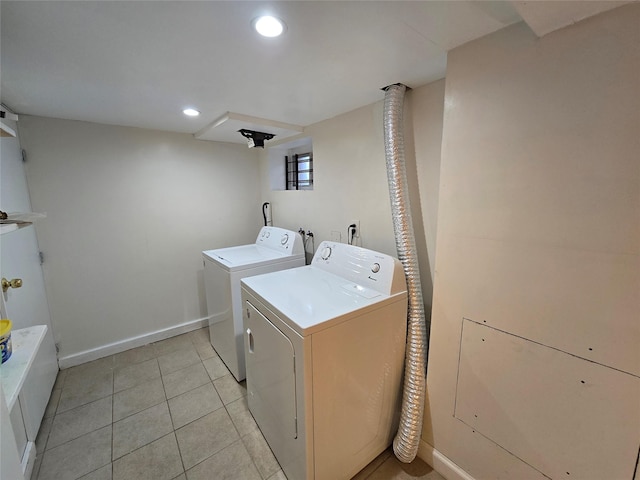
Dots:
{"x": 406, "y": 441}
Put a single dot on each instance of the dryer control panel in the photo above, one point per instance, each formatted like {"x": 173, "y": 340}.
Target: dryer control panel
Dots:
{"x": 286, "y": 241}
{"x": 364, "y": 268}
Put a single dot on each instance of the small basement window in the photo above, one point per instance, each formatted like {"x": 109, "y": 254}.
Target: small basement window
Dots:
{"x": 299, "y": 171}
{"x": 290, "y": 164}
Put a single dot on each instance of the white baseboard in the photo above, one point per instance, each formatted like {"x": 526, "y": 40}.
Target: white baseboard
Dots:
{"x": 28, "y": 460}
{"x": 126, "y": 344}
{"x": 440, "y": 463}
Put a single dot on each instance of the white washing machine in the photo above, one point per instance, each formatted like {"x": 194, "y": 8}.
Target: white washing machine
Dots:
{"x": 275, "y": 249}
{"x": 324, "y": 346}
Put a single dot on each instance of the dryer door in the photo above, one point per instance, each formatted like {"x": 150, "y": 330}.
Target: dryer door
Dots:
{"x": 271, "y": 381}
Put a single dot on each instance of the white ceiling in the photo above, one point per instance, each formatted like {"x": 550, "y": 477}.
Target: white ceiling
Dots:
{"x": 140, "y": 63}
{"x": 544, "y": 16}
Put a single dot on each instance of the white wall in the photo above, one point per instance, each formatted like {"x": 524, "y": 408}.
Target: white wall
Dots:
{"x": 350, "y": 178}
{"x": 538, "y": 247}
{"x": 128, "y": 213}
{"x": 135, "y": 195}
{"x": 425, "y": 107}
{"x": 349, "y": 182}
{"x": 538, "y": 235}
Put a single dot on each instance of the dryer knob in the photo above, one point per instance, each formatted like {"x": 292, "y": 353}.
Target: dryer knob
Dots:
{"x": 375, "y": 268}
{"x": 284, "y": 239}
{"x": 326, "y": 253}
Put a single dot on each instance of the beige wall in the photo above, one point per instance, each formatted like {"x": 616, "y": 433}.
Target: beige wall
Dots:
{"x": 350, "y": 178}
{"x": 535, "y": 207}
{"x": 128, "y": 213}
{"x": 538, "y": 248}
{"x": 425, "y": 106}
{"x": 349, "y": 182}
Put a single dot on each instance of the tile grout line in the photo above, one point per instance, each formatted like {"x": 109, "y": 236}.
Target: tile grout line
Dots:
{"x": 197, "y": 419}
{"x": 113, "y": 368}
{"x": 242, "y": 438}
{"x": 204, "y": 460}
{"x": 175, "y": 435}
{"x": 173, "y": 425}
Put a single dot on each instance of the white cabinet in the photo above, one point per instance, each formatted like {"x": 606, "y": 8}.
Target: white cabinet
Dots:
{"x": 9, "y": 457}
{"x": 27, "y": 380}
{"x": 19, "y": 430}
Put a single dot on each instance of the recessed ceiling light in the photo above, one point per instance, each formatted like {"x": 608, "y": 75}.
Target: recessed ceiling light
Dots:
{"x": 191, "y": 112}
{"x": 269, "y": 26}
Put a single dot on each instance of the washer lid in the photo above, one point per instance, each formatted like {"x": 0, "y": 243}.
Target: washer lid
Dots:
{"x": 310, "y": 299}
{"x": 246, "y": 256}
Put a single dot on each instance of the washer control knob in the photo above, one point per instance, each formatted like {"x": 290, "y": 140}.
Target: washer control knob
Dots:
{"x": 284, "y": 239}
{"x": 375, "y": 268}
{"x": 326, "y": 253}
{"x": 268, "y": 234}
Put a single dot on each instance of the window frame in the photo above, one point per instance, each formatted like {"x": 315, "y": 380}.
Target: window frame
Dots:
{"x": 293, "y": 171}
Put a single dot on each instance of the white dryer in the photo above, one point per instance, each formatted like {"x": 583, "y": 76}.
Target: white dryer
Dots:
{"x": 275, "y": 249}
{"x": 324, "y": 346}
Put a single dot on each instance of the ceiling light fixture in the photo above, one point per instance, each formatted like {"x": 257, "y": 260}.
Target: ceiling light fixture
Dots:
{"x": 191, "y": 112}
{"x": 269, "y": 26}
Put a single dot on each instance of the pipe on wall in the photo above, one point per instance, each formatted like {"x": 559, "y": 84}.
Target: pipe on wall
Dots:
{"x": 407, "y": 440}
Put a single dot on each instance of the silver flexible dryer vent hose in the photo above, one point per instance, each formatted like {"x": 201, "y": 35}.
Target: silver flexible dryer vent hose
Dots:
{"x": 405, "y": 444}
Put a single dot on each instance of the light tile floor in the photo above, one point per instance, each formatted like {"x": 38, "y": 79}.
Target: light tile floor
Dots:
{"x": 165, "y": 411}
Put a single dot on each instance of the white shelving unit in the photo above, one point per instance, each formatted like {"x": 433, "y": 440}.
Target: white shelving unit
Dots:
{"x": 6, "y": 130}
{"x": 19, "y": 220}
